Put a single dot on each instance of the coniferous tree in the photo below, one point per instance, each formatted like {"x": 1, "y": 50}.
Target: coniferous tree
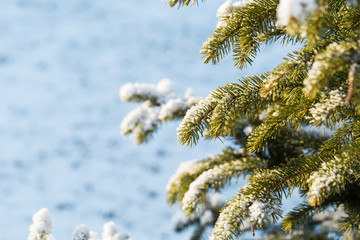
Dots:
{"x": 297, "y": 126}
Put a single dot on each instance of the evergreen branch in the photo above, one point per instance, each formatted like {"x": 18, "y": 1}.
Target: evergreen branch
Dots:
{"x": 334, "y": 176}
{"x": 219, "y": 43}
{"x": 181, "y": 3}
{"x": 350, "y": 19}
{"x": 291, "y": 144}
{"x": 235, "y": 101}
{"x": 269, "y": 184}
{"x": 141, "y": 123}
{"x": 234, "y": 214}
{"x": 328, "y": 110}
{"x": 216, "y": 178}
{"x": 316, "y": 22}
{"x": 285, "y": 176}
{"x": 333, "y": 59}
{"x": 299, "y": 215}
{"x": 196, "y": 121}
{"x": 188, "y": 172}
{"x": 153, "y": 95}
{"x": 352, "y": 221}
{"x": 159, "y": 105}
{"x": 342, "y": 136}
{"x": 272, "y": 125}
{"x": 264, "y": 184}
{"x": 251, "y": 19}
{"x": 286, "y": 76}
{"x": 305, "y": 216}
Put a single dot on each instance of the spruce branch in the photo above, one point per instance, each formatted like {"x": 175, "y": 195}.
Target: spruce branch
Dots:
{"x": 298, "y": 216}
{"x": 196, "y": 121}
{"x": 182, "y": 3}
{"x": 287, "y": 75}
{"x": 239, "y": 31}
{"x": 263, "y": 185}
{"x": 236, "y": 100}
{"x": 273, "y": 124}
{"x": 216, "y": 178}
{"x": 332, "y": 60}
{"x": 342, "y": 136}
{"x": 188, "y": 172}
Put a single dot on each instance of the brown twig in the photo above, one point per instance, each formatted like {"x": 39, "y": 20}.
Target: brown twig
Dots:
{"x": 351, "y": 83}
{"x": 252, "y": 229}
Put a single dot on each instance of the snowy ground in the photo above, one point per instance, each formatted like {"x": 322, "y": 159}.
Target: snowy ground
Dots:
{"x": 61, "y": 65}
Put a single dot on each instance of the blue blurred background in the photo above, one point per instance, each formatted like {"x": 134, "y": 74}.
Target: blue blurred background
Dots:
{"x": 61, "y": 66}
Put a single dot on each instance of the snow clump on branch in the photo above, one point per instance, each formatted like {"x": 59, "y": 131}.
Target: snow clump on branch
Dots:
{"x": 42, "y": 226}
{"x": 184, "y": 168}
{"x": 225, "y": 10}
{"x": 110, "y": 232}
{"x": 210, "y": 178}
{"x": 327, "y": 178}
{"x": 170, "y": 108}
{"x": 297, "y": 9}
{"x": 81, "y": 232}
{"x": 324, "y": 107}
{"x": 291, "y": 12}
{"x": 159, "y": 104}
{"x": 261, "y": 212}
{"x": 138, "y": 91}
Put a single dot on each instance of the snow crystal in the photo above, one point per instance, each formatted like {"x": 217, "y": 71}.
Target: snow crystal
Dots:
{"x": 257, "y": 213}
{"x": 297, "y": 9}
{"x": 269, "y": 84}
{"x": 42, "y": 225}
{"x": 128, "y": 90}
{"x": 81, "y": 232}
{"x": 159, "y": 105}
{"x": 239, "y": 4}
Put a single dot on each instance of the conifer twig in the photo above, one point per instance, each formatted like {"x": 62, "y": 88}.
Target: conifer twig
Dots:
{"x": 252, "y": 229}
{"x": 351, "y": 82}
